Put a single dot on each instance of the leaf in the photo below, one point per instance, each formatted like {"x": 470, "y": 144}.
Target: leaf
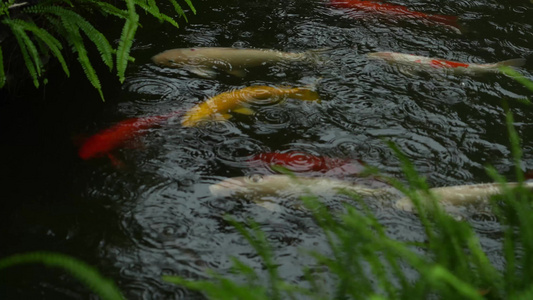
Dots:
{"x": 53, "y": 44}
{"x": 105, "y": 288}
{"x": 27, "y": 54}
{"x": 126, "y": 40}
{"x": 99, "y": 40}
{"x": 191, "y": 6}
{"x": 77, "y": 41}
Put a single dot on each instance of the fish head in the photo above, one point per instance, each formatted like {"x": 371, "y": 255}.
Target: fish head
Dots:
{"x": 174, "y": 57}
{"x": 253, "y": 185}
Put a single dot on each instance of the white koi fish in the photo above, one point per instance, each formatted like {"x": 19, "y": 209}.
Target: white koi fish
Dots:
{"x": 204, "y": 62}
{"x": 265, "y": 188}
{"x": 426, "y": 63}
{"x": 463, "y": 194}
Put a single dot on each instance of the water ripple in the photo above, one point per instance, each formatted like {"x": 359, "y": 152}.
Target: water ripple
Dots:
{"x": 236, "y": 152}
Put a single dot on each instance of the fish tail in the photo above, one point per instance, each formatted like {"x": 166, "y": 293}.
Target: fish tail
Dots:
{"x": 516, "y": 62}
{"x": 316, "y": 56}
{"x": 445, "y": 19}
{"x": 306, "y": 94}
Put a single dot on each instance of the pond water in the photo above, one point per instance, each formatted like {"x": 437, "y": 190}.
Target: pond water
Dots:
{"x": 154, "y": 215}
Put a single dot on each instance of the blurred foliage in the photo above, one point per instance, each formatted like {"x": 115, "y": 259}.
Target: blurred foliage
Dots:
{"x": 88, "y": 275}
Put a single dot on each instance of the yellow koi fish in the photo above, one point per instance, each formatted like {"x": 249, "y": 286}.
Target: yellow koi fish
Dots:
{"x": 220, "y": 106}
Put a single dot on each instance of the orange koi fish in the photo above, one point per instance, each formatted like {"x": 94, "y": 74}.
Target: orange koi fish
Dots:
{"x": 437, "y": 63}
{"x": 395, "y": 11}
{"x": 103, "y": 142}
{"x": 220, "y": 106}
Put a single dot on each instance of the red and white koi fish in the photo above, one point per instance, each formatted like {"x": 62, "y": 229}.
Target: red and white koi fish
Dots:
{"x": 394, "y": 11}
{"x": 300, "y": 162}
{"x": 438, "y": 63}
{"x": 103, "y": 142}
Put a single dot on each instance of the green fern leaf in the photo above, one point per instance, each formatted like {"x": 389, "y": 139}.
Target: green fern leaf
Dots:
{"x": 77, "y": 41}
{"x": 53, "y": 44}
{"x": 126, "y": 40}
{"x": 99, "y": 40}
{"x": 191, "y": 6}
{"x": 111, "y": 9}
{"x": 30, "y": 56}
{"x": 154, "y": 11}
{"x": 105, "y": 288}
{"x": 179, "y": 9}
{"x": 2, "y": 72}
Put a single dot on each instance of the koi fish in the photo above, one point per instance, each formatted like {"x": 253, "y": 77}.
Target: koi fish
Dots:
{"x": 463, "y": 194}
{"x": 300, "y": 162}
{"x": 205, "y": 61}
{"x": 395, "y": 11}
{"x": 265, "y": 188}
{"x": 219, "y": 106}
{"x": 103, "y": 142}
{"x": 437, "y": 63}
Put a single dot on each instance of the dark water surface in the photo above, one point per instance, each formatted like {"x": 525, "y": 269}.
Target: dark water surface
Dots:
{"x": 156, "y": 216}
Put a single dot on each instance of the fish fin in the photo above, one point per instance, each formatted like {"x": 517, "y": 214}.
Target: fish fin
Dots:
{"x": 317, "y": 56}
{"x": 244, "y": 110}
{"x": 204, "y": 72}
{"x": 447, "y": 20}
{"x": 269, "y": 205}
{"x": 516, "y": 62}
{"x": 409, "y": 72}
{"x": 117, "y": 163}
{"x": 237, "y": 72}
{"x": 306, "y": 94}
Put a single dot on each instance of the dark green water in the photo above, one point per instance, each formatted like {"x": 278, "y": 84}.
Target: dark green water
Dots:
{"x": 156, "y": 216}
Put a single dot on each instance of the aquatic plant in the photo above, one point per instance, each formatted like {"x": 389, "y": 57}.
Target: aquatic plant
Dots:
{"x": 367, "y": 264}
{"x": 44, "y": 28}
{"x": 101, "y": 286}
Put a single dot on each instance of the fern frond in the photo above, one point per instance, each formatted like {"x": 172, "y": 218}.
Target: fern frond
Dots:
{"x": 179, "y": 9}
{"x": 189, "y": 3}
{"x": 154, "y": 11}
{"x": 126, "y": 40}
{"x": 75, "y": 38}
{"x": 53, "y": 44}
{"x": 30, "y": 54}
{"x": 111, "y": 9}
{"x": 102, "y": 286}
{"x": 99, "y": 40}
{"x": 2, "y": 72}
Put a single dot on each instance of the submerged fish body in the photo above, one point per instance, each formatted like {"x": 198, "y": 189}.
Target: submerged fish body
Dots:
{"x": 205, "y": 61}
{"x": 257, "y": 187}
{"x": 261, "y": 188}
{"x": 463, "y": 194}
{"x": 219, "y": 106}
{"x": 300, "y": 162}
{"x": 394, "y": 11}
{"x": 429, "y": 63}
{"x": 103, "y": 142}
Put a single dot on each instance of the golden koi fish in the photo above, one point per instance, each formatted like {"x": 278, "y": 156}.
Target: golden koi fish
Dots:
{"x": 204, "y": 62}
{"x": 220, "y": 106}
